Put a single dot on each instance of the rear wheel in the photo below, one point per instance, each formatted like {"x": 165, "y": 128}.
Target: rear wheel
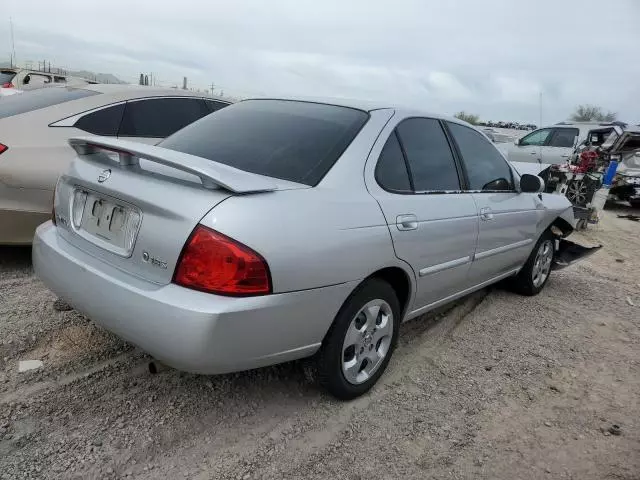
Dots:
{"x": 535, "y": 273}
{"x": 361, "y": 340}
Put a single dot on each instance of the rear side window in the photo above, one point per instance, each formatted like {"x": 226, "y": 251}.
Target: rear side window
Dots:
{"x": 564, "y": 137}
{"x": 429, "y": 155}
{"x": 391, "y": 170}
{"x": 41, "y": 98}
{"x": 103, "y": 122}
{"x": 486, "y": 168}
{"x": 160, "y": 117}
{"x": 214, "y": 105}
{"x": 291, "y": 140}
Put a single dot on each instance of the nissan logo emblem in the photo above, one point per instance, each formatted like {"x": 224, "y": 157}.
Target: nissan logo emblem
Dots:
{"x": 104, "y": 176}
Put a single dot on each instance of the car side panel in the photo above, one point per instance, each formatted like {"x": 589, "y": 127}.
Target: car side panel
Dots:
{"x": 311, "y": 237}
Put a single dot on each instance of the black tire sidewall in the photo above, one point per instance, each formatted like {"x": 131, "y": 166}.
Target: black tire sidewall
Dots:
{"x": 524, "y": 282}
{"x": 330, "y": 355}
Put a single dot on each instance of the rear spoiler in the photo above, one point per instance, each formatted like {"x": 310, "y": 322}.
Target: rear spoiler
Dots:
{"x": 212, "y": 174}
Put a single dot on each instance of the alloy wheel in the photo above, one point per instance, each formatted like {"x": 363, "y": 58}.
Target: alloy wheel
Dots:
{"x": 367, "y": 340}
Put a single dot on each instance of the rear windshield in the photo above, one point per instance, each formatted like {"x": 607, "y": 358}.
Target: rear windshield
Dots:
{"x": 296, "y": 141}
{"x": 40, "y": 98}
{"x": 6, "y": 76}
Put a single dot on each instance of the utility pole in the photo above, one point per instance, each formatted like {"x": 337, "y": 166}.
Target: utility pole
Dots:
{"x": 212, "y": 85}
{"x": 540, "y": 126}
{"x": 13, "y": 44}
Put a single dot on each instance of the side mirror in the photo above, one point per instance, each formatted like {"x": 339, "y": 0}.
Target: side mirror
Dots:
{"x": 516, "y": 141}
{"x": 531, "y": 183}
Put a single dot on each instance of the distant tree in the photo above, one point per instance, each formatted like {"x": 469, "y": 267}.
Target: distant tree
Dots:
{"x": 592, "y": 113}
{"x": 467, "y": 117}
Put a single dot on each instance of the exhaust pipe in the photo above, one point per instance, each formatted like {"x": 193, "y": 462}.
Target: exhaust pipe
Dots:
{"x": 156, "y": 367}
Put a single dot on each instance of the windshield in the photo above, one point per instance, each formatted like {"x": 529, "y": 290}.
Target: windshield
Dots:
{"x": 296, "y": 141}
{"x": 41, "y": 98}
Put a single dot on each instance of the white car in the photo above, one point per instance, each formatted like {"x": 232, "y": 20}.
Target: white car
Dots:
{"x": 35, "y": 127}
{"x": 547, "y": 146}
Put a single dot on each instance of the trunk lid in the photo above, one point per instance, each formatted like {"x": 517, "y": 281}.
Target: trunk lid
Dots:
{"x": 134, "y": 205}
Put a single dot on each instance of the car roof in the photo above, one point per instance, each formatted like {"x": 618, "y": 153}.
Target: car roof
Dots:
{"x": 366, "y": 105}
{"x": 124, "y": 88}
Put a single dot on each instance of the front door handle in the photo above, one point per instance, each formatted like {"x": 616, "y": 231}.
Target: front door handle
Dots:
{"x": 533, "y": 153}
{"x": 407, "y": 222}
{"x": 565, "y": 156}
{"x": 486, "y": 213}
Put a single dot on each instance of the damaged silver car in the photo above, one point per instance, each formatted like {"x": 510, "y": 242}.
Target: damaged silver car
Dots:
{"x": 275, "y": 229}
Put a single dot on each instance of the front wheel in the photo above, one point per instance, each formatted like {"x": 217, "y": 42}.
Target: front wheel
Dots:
{"x": 360, "y": 342}
{"x": 535, "y": 273}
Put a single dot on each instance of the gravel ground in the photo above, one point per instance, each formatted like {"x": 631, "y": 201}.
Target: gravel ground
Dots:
{"x": 498, "y": 386}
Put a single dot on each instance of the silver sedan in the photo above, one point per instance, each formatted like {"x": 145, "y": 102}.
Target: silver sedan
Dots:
{"x": 273, "y": 230}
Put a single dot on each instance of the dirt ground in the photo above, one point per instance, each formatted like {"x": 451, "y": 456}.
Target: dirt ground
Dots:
{"x": 498, "y": 387}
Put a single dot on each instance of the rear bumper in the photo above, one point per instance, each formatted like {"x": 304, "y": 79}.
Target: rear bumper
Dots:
{"x": 186, "y": 329}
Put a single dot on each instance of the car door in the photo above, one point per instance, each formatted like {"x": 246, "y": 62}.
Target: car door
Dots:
{"x": 508, "y": 219}
{"x": 433, "y": 225}
{"x": 529, "y": 148}
{"x": 560, "y": 145}
{"x": 150, "y": 120}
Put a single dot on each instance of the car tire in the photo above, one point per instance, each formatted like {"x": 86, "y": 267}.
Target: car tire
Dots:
{"x": 634, "y": 204}
{"x": 533, "y": 276}
{"x": 358, "y": 346}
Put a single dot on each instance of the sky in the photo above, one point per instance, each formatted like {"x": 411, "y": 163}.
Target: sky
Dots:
{"x": 493, "y": 58}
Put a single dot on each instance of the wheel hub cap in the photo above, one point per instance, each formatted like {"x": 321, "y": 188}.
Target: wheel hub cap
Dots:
{"x": 367, "y": 341}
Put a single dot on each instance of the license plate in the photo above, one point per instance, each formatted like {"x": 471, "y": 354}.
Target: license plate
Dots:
{"x": 105, "y": 221}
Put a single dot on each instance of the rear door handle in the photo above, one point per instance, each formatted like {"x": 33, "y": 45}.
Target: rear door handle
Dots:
{"x": 407, "y": 222}
{"x": 565, "y": 156}
{"x": 486, "y": 213}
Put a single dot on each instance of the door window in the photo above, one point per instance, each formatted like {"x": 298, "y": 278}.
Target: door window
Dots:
{"x": 391, "y": 171}
{"x": 103, "y": 122}
{"x": 214, "y": 105}
{"x": 431, "y": 163}
{"x": 486, "y": 169}
{"x": 536, "y": 138}
{"x": 564, "y": 137}
{"x": 160, "y": 117}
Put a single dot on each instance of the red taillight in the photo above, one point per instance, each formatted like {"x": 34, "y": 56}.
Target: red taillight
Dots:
{"x": 7, "y": 85}
{"x": 3, "y": 148}
{"x": 214, "y": 263}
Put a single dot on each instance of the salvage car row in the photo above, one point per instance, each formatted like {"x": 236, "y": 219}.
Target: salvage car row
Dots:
{"x": 277, "y": 229}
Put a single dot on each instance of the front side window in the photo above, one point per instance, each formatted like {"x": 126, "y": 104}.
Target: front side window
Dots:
{"x": 486, "y": 169}
{"x": 431, "y": 162}
{"x": 564, "y": 137}
{"x": 536, "y": 138}
{"x": 391, "y": 170}
{"x": 103, "y": 122}
{"x": 160, "y": 117}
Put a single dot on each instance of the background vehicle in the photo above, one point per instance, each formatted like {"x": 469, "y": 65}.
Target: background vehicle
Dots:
{"x": 35, "y": 127}
{"x": 300, "y": 228}
{"x": 549, "y": 145}
{"x": 30, "y": 79}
